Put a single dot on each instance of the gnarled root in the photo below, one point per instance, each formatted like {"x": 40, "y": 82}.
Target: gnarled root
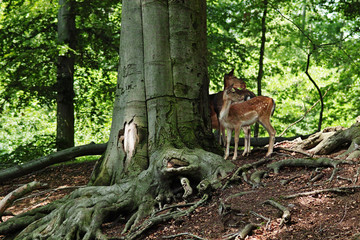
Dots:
{"x": 305, "y": 162}
{"x": 286, "y": 216}
{"x": 80, "y": 215}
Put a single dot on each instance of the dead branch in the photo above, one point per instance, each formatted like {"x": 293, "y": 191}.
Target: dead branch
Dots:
{"x": 268, "y": 220}
{"x": 286, "y": 181}
{"x": 57, "y": 157}
{"x": 292, "y": 124}
{"x": 17, "y": 193}
{"x": 356, "y": 175}
{"x": 286, "y": 217}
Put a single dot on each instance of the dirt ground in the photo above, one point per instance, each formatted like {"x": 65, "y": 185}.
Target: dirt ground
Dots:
{"x": 327, "y": 215}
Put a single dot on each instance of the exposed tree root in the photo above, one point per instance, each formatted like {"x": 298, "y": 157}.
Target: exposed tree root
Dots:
{"x": 242, "y": 233}
{"x": 255, "y": 178}
{"x": 80, "y": 214}
{"x": 148, "y": 223}
{"x": 245, "y": 168}
{"x": 305, "y": 162}
{"x": 333, "y": 190}
{"x": 286, "y": 216}
{"x": 18, "y": 193}
{"x": 329, "y": 139}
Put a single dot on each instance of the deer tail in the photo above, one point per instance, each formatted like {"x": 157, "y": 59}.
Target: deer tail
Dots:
{"x": 273, "y": 108}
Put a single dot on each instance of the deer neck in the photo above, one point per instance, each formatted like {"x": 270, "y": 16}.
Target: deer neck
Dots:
{"x": 225, "y": 109}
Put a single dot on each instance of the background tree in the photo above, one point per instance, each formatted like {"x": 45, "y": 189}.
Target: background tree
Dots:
{"x": 65, "y": 75}
{"x": 28, "y": 103}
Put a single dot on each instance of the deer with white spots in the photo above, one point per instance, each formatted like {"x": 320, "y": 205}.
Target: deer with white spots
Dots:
{"x": 235, "y": 115}
{"x": 216, "y": 101}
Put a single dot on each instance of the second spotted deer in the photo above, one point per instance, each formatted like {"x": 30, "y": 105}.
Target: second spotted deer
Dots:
{"x": 216, "y": 101}
{"x": 235, "y": 115}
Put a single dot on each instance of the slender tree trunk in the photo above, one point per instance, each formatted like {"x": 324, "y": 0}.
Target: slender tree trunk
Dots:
{"x": 65, "y": 76}
{"x": 261, "y": 59}
{"x": 303, "y": 23}
{"x": 316, "y": 86}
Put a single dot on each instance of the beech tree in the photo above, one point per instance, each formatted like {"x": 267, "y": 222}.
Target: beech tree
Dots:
{"x": 160, "y": 138}
{"x": 65, "y": 76}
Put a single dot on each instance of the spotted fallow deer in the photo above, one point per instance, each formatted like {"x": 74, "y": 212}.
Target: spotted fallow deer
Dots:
{"x": 234, "y": 116}
{"x": 216, "y": 101}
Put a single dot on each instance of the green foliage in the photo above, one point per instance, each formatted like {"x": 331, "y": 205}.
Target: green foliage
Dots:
{"x": 26, "y": 134}
{"x": 28, "y": 60}
{"x": 29, "y": 50}
{"x": 334, "y": 64}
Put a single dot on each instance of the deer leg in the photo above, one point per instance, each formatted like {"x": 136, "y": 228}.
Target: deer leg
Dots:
{"x": 228, "y": 143}
{"x": 246, "y": 140}
{"x": 270, "y": 129}
{"x": 236, "y": 138}
{"x": 222, "y": 137}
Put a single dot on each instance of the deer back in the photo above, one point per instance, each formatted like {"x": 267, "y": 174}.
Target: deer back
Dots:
{"x": 249, "y": 112}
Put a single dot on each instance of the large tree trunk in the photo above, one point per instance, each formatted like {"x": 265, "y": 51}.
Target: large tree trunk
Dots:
{"x": 161, "y": 135}
{"x": 65, "y": 76}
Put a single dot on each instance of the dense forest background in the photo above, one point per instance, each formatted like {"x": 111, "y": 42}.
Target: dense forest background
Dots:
{"x": 291, "y": 35}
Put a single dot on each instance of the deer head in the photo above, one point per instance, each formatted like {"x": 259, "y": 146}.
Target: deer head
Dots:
{"x": 229, "y": 79}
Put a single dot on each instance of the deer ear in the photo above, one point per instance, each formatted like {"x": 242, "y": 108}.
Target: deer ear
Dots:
{"x": 228, "y": 89}
{"x": 231, "y": 73}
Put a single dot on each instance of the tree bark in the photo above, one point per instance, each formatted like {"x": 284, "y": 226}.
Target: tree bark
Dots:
{"x": 349, "y": 136}
{"x": 161, "y": 129}
{"x": 65, "y": 76}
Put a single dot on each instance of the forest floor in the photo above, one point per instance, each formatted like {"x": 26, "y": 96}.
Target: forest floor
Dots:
{"x": 327, "y": 215}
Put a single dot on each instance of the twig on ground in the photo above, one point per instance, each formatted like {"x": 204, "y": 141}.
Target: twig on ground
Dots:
{"x": 296, "y": 151}
{"x": 286, "y": 181}
{"x": 344, "y": 178}
{"x": 334, "y": 190}
{"x": 183, "y": 234}
{"x": 268, "y": 220}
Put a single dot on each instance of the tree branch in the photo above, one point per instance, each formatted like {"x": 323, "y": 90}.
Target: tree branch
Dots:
{"x": 57, "y": 157}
